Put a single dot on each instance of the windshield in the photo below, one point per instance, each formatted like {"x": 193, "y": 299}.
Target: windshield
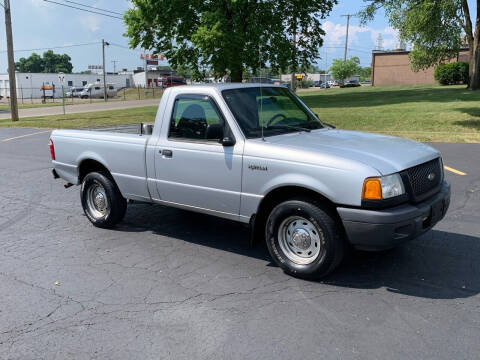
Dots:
{"x": 276, "y": 109}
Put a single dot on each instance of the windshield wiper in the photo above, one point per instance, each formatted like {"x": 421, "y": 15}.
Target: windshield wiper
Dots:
{"x": 293, "y": 127}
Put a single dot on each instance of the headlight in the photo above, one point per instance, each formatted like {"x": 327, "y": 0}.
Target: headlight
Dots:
{"x": 385, "y": 187}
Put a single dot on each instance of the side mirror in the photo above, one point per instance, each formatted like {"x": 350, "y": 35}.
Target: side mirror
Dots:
{"x": 214, "y": 132}
{"x": 228, "y": 141}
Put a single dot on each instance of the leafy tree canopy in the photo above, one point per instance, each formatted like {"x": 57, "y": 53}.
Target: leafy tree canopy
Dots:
{"x": 343, "y": 69}
{"x": 49, "y": 63}
{"x": 229, "y": 36}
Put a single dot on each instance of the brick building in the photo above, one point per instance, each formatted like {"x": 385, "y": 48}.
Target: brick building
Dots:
{"x": 393, "y": 68}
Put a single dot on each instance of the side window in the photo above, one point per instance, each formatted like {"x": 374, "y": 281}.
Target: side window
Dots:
{"x": 70, "y": 83}
{"x": 196, "y": 118}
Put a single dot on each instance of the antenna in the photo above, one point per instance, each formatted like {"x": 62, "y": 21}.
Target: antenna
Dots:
{"x": 261, "y": 84}
{"x": 379, "y": 42}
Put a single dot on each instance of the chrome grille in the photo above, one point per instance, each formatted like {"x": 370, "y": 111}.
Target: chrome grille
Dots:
{"x": 425, "y": 177}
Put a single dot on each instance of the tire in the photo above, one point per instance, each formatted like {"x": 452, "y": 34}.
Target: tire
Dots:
{"x": 102, "y": 201}
{"x": 305, "y": 238}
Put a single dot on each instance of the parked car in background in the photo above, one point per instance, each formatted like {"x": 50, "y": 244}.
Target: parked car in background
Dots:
{"x": 325, "y": 86}
{"x": 74, "y": 92}
{"x": 335, "y": 83}
{"x": 260, "y": 156}
{"x": 95, "y": 91}
{"x": 351, "y": 83}
{"x": 169, "y": 81}
{"x": 365, "y": 82}
{"x": 317, "y": 83}
{"x": 261, "y": 80}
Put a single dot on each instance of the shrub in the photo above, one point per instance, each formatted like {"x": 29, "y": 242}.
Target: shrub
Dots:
{"x": 452, "y": 73}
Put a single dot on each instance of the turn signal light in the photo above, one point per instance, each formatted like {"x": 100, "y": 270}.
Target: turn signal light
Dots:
{"x": 372, "y": 189}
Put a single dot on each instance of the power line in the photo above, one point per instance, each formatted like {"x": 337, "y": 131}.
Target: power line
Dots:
{"x": 53, "y": 47}
{"x": 358, "y": 50}
{"x": 93, "y": 7}
{"x": 90, "y": 11}
{"x": 124, "y": 47}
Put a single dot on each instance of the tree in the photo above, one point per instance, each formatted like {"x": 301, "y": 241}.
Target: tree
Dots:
{"x": 229, "y": 36}
{"x": 436, "y": 28}
{"x": 343, "y": 69}
{"x": 49, "y": 63}
{"x": 34, "y": 63}
{"x": 365, "y": 73}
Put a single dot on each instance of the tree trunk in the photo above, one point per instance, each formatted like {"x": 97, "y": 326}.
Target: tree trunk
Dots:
{"x": 475, "y": 68}
{"x": 236, "y": 74}
{"x": 475, "y": 59}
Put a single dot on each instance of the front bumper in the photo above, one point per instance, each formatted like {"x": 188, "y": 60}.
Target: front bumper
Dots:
{"x": 384, "y": 229}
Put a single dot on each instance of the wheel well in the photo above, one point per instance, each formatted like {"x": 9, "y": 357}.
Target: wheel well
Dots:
{"x": 88, "y": 166}
{"x": 275, "y": 197}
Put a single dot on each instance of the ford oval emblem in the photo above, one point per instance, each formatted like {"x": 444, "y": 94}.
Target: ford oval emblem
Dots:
{"x": 431, "y": 176}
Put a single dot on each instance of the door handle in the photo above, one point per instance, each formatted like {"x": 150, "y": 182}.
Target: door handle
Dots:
{"x": 167, "y": 153}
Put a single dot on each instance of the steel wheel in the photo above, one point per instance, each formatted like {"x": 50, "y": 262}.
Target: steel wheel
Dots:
{"x": 97, "y": 201}
{"x": 299, "y": 240}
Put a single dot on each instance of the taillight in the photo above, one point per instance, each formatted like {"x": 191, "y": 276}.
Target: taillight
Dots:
{"x": 52, "y": 149}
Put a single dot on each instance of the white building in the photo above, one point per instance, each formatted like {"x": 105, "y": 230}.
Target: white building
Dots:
{"x": 29, "y": 84}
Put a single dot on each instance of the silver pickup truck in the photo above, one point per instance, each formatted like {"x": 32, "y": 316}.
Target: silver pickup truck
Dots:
{"x": 257, "y": 154}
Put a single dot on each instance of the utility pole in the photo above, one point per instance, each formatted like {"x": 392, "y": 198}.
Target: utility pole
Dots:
{"x": 11, "y": 62}
{"x": 104, "y": 43}
{"x": 114, "y": 66}
{"x": 348, "y": 16}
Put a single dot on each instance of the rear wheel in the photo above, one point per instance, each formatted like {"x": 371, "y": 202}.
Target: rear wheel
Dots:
{"x": 102, "y": 201}
{"x": 304, "y": 238}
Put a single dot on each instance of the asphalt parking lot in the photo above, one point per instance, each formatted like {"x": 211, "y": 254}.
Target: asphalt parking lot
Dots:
{"x": 169, "y": 284}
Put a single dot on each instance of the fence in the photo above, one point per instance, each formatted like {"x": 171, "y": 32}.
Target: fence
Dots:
{"x": 29, "y": 96}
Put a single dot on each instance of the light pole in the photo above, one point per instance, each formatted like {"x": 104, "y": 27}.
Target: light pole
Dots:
{"x": 31, "y": 86}
{"x": 104, "y": 43}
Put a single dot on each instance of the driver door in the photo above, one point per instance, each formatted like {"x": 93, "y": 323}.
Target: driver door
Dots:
{"x": 193, "y": 169}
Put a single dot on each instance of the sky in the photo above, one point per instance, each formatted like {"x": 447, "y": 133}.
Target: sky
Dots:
{"x": 40, "y": 25}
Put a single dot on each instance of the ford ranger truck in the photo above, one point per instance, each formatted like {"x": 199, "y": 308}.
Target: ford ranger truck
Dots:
{"x": 258, "y": 155}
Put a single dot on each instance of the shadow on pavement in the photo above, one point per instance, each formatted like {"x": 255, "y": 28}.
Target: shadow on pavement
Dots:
{"x": 192, "y": 227}
{"x": 438, "y": 265}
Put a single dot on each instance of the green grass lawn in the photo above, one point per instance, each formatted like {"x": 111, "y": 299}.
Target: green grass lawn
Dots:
{"x": 98, "y": 118}
{"x": 425, "y": 113}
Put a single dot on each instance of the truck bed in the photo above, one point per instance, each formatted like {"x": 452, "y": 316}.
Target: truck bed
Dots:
{"x": 121, "y": 149}
{"x": 137, "y": 129}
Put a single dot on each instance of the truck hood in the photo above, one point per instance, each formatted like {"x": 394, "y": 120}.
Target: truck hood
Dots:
{"x": 387, "y": 154}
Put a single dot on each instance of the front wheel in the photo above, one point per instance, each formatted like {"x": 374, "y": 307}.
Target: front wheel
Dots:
{"x": 304, "y": 238}
{"x": 102, "y": 201}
